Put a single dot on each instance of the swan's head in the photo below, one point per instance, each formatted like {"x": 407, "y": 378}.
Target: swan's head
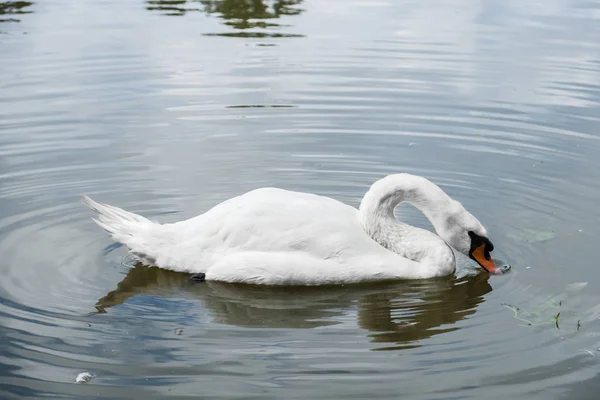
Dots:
{"x": 465, "y": 233}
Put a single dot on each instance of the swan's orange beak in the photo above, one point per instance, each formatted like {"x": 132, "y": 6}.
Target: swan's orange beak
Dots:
{"x": 483, "y": 258}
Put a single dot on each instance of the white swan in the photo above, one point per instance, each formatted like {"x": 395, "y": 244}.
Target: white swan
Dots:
{"x": 279, "y": 237}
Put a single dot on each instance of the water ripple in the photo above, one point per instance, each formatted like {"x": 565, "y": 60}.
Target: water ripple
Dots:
{"x": 169, "y": 107}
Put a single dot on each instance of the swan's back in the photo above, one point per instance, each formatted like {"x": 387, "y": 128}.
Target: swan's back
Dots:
{"x": 271, "y": 219}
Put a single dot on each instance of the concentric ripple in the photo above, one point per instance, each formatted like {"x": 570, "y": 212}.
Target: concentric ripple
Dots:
{"x": 166, "y": 108}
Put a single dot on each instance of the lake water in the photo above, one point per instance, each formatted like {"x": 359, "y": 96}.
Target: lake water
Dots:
{"x": 166, "y": 108}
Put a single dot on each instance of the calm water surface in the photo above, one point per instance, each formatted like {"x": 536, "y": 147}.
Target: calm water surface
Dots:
{"x": 169, "y": 107}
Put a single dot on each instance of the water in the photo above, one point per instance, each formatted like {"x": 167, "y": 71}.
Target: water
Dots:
{"x": 166, "y": 108}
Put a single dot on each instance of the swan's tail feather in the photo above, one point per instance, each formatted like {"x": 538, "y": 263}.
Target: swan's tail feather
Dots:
{"x": 119, "y": 223}
{"x": 151, "y": 242}
{"x": 134, "y": 231}
{"x": 108, "y": 212}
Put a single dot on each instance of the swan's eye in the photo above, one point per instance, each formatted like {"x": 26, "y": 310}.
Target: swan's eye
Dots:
{"x": 475, "y": 239}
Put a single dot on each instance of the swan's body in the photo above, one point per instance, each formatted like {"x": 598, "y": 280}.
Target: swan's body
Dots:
{"x": 279, "y": 237}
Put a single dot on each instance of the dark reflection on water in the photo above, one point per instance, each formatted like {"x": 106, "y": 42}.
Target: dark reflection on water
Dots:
{"x": 401, "y": 313}
{"x": 245, "y": 34}
{"x": 9, "y": 9}
{"x": 172, "y": 7}
{"x": 238, "y": 14}
{"x": 247, "y": 14}
{"x": 263, "y": 106}
{"x": 418, "y": 310}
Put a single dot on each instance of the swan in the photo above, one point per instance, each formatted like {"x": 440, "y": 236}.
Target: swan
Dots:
{"x": 273, "y": 236}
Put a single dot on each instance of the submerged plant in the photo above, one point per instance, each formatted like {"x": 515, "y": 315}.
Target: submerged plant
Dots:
{"x": 536, "y": 318}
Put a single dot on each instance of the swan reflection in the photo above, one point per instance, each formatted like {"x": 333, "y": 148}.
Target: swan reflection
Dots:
{"x": 399, "y": 313}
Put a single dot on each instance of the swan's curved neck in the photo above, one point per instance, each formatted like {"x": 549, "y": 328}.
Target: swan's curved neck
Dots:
{"x": 377, "y": 207}
{"x": 376, "y": 215}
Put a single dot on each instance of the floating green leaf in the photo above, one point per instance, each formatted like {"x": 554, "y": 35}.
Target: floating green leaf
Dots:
{"x": 539, "y": 316}
{"x": 532, "y": 235}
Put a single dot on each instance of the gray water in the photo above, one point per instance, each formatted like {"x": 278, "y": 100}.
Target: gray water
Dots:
{"x": 166, "y": 108}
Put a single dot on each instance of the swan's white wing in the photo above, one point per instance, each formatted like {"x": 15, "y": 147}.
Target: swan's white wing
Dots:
{"x": 274, "y": 220}
{"x": 278, "y": 236}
